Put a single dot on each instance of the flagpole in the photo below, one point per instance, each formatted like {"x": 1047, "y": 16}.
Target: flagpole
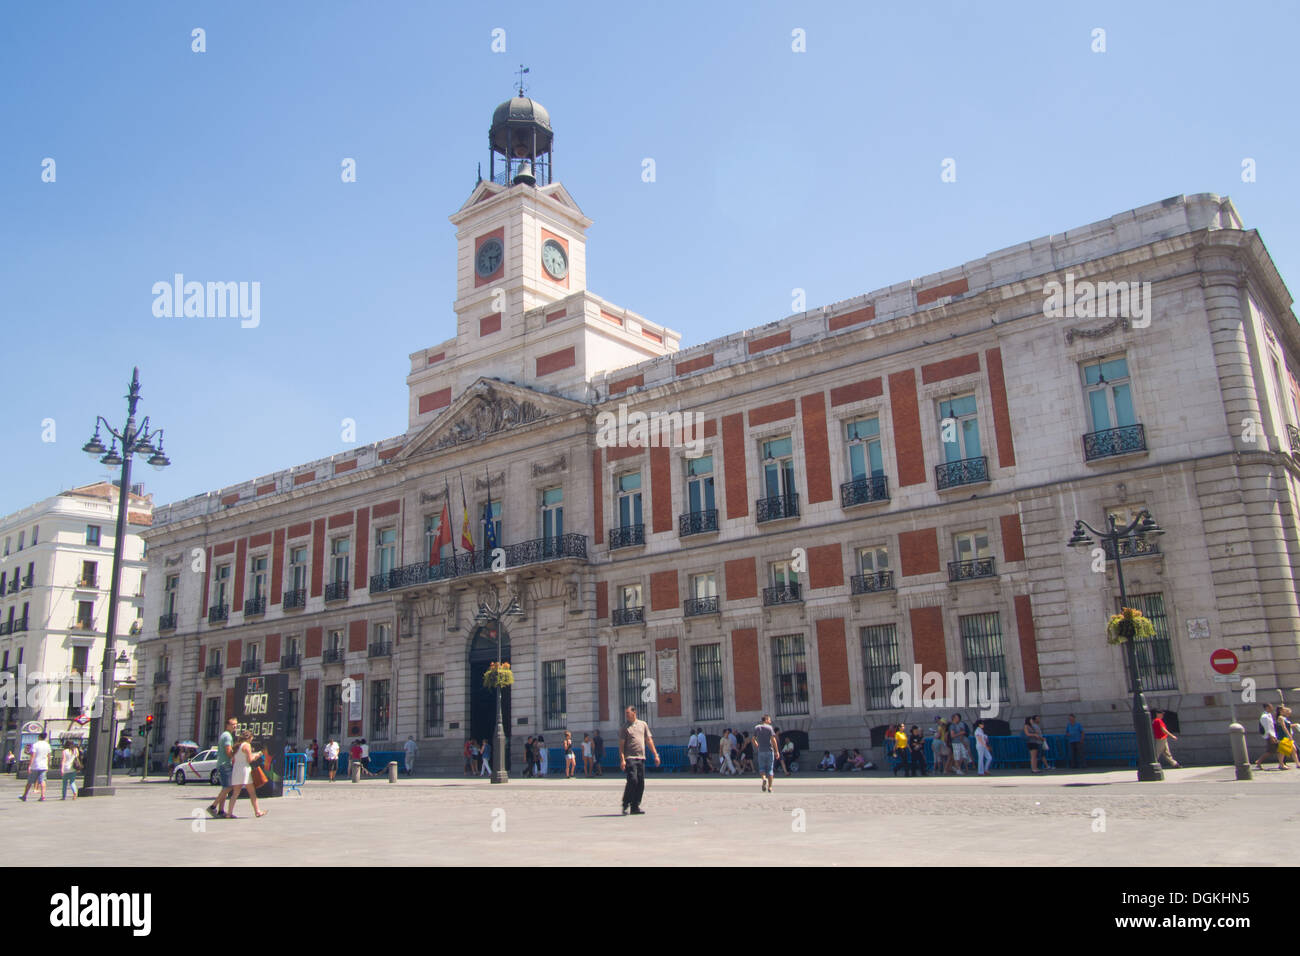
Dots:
{"x": 447, "y": 485}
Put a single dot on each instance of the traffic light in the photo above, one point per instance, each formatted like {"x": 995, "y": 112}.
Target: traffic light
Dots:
{"x": 148, "y": 724}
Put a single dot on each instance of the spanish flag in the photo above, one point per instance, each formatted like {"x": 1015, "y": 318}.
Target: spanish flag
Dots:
{"x": 466, "y": 536}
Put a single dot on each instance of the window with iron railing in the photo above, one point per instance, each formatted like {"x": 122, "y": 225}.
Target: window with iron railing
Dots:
{"x": 333, "y": 710}
{"x": 555, "y": 699}
{"x": 631, "y": 674}
{"x": 1155, "y": 655}
{"x": 433, "y": 705}
{"x": 790, "y": 675}
{"x": 981, "y": 639}
{"x": 880, "y": 662}
{"x": 379, "y": 705}
{"x": 706, "y": 677}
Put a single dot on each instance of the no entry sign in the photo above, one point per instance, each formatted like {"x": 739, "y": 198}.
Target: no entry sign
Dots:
{"x": 1223, "y": 661}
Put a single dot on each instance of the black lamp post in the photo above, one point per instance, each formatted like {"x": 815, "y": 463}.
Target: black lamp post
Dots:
{"x": 493, "y": 615}
{"x": 135, "y": 439}
{"x": 1141, "y": 527}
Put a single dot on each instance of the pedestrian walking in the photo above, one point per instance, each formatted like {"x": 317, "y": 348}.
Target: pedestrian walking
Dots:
{"x": 958, "y": 734}
{"x": 332, "y": 758}
{"x": 528, "y": 757}
{"x": 597, "y": 751}
{"x": 225, "y": 764}
{"x": 472, "y": 750}
{"x": 544, "y": 758}
{"x": 633, "y": 742}
{"x": 71, "y": 764}
{"x": 1074, "y": 736}
{"x": 1285, "y": 737}
{"x": 241, "y": 774}
{"x": 411, "y": 751}
{"x": 693, "y": 750}
{"x": 485, "y": 757}
{"x": 1163, "y": 736}
{"x": 38, "y": 768}
{"x": 586, "y": 755}
{"x": 1268, "y": 730}
{"x": 983, "y": 751}
{"x": 764, "y": 738}
{"x": 899, "y": 742}
{"x": 726, "y": 765}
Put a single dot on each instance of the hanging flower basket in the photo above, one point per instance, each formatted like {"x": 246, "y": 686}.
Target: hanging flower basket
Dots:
{"x": 498, "y": 675}
{"x": 1128, "y": 624}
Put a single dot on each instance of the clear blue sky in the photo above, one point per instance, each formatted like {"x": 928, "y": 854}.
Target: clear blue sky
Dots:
{"x": 775, "y": 170}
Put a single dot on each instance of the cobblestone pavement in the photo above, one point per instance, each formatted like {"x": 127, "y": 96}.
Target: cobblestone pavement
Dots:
{"x": 1195, "y": 817}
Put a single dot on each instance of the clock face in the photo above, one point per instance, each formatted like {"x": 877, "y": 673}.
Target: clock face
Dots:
{"x": 554, "y": 260}
{"x": 489, "y": 257}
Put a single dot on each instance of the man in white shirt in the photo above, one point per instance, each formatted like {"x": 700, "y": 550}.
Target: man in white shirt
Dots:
{"x": 332, "y": 758}
{"x": 1268, "y": 730}
{"x": 693, "y": 750}
{"x": 37, "y": 769}
{"x": 702, "y": 741}
{"x": 410, "y": 749}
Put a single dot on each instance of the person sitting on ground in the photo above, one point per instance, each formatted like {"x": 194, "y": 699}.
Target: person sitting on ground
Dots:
{"x": 843, "y": 761}
{"x": 789, "y": 754}
{"x": 859, "y": 762}
{"x": 827, "y": 762}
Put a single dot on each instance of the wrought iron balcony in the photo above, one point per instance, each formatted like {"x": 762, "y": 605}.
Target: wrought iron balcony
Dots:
{"x": 693, "y": 607}
{"x": 782, "y": 594}
{"x": 629, "y": 615}
{"x": 338, "y": 591}
{"x": 161, "y": 677}
{"x": 969, "y": 570}
{"x": 697, "y": 522}
{"x": 626, "y": 536}
{"x": 30, "y": 582}
{"x": 862, "y": 491}
{"x": 381, "y": 650}
{"x": 535, "y": 551}
{"x": 77, "y": 625}
{"x": 14, "y": 585}
{"x": 290, "y": 662}
{"x": 1131, "y": 548}
{"x": 871, "y": 583}
{"x": 295, "y": 599}
{"x": 255, "y": 605}
{"x": 332, "y": 655}
{"x": 250, "y": 667}
{"x": 1114, "y": 441}
{"x": 218, "y": 613}
{"x": 4, "y": 628}
{"x": 167, "y": 622}
{"x": 781, "y": 506}
{"x": 85, "y": 583}
{"x": 967, "y": 471}
{"x": 20, "y": 624}
{"x": 212, "y": 670}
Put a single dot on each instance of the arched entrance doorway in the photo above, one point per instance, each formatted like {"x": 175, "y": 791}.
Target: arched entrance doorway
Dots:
{"x": 482, "y": 716}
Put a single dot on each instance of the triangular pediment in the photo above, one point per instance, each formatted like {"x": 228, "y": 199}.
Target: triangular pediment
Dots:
{"x": 484, "y": 191}
{"x": 488, "y": 407}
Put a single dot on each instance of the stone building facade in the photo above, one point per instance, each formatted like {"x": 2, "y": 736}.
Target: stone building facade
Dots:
{"x": 881, "y": 483}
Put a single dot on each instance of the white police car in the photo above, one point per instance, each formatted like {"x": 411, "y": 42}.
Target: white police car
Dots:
{"x": 202, "y": 766}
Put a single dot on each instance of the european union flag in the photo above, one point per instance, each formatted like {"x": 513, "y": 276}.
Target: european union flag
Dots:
{"x": 489, "y": 528}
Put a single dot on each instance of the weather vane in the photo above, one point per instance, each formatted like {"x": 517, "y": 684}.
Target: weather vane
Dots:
{"x": 521, "y": 71}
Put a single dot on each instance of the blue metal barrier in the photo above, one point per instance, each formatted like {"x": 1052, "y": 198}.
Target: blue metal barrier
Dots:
{"x": 295, "y": 772}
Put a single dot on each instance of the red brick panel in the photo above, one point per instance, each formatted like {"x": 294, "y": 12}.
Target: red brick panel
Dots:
{"x": 356, "y": 636}
{"x": 277, "y": 567}
{"x": 343, "y": 520}
{"x": 361, "y": 577}
{"x": 1001, "y": 413}
{"x": 950, "y": 368}
{"x": 771, "y": 413}
{"x": 318, "y": 557}
{"x": 744, "y": 661}
{"x": 260, "y": 540}
{"x": 621, "y": 452}
{"x": 228, "y": 500}
{"x": 233, "y": 649}
{"x": 556, "y": 361}
{"x": 435, "y": 359}
{"x": 611, "y": 318}
{"x": 857, "y": 391}
{"x": 816, "y": 446}
{"x": 908, "y": 445}
{"x": 653, "y": 336}
{"x": 1028, "y": 644}
{"x": 313, "y": 642}
{"x": 300, "y": 530}
{"x": 1013, "y": 544}
{"x": 669, "y": 705}
{"x": 230, "y": 706}
{"x": 343, "y": 466}
{"x": 602, "y": 682}
{"x": 221, "y": 550}
{"x": 272, "y": 648}
{"x": 663, "y": 591}
{"x": 310, "y": 690}
{"x": 735, "y": 484}
{"x": 597, "y": 498}
{"x": 661, "y": 490}
{"x": 303, "y": 478}
{"x": 769, "y": 342}
{"x": 711, "y": 428}
{"x": 928, "y": 646}
{"x": 826, "y": 566}
{"x": 555, "y": 316}
{"x": 388, "y": 453}
{"x": 489, "y": 324}
{"x": 936, "y": 292}
{"x": 918, "y": 552}
{"x": 265, "y": 489}
{"x": 198, "y": 713}
{"x": 623, "y": 384}
{"x": 740, "y": 578}
{"x": 241, "y": 566}
{"x": 856, "y": 317}
{"x": 693, "y": 365}
{"x": 602, "y": 600}
{"x": 386, "y": 510}
{"x": 207, "y": 581}
{"x": 833, "y": 661}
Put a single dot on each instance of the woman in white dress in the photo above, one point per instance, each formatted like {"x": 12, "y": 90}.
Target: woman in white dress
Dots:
{"x": 241, "y": 775}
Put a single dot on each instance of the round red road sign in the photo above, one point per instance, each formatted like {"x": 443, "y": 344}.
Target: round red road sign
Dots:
{"x": 1223, "y": 661}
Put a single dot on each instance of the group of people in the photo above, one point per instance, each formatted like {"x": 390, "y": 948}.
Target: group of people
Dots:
{"x": 236, "y": 763}
{"x": 845, "y": 761}
{"x": 39, "y": 765}
{"x": 737, "y": 752}
{"x": 537, "y": 755}
{"x": 950, "y": 750}
{"x": 1279, "y": 737}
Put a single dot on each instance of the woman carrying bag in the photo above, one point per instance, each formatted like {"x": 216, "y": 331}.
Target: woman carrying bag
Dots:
{"x": 242, "y": 775}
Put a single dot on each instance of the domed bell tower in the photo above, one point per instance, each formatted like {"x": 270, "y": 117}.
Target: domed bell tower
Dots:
{"x": 521, "y": 141}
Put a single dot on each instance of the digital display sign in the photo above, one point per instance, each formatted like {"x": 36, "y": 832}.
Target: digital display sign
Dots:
{"x": 262, "y": 708}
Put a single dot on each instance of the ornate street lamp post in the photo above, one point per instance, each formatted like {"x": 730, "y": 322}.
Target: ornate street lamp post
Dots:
{"x": 493, "y": 615}
{"x": 1139, "y": 529}
{"x": 135, "y": 440}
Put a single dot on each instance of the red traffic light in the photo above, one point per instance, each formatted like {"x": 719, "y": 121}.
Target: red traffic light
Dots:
{"x": 148, "y": 721}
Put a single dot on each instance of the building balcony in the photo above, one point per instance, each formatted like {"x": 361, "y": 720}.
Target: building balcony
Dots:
{"x": 290, "y": 662}
{"x": 29, "y": 581}
{"x": 167, "y": 622}
{"x": 83, "y": 583}
{"x": 218, "y": 614}
{"x": 967, "y": 471}
{"x": 1130, "y": 548}
{"x": 872, "y": 583}
{"x": 693, "y": 607}
{"x": 250, "y": 667}
{"x": 774, "y": 509}
{"x": 4, "y": 628}
{"x": 212, "y": 671}
{"x": 332, "y": 655}
{"x": 78, "y": 625}
{"x": 338, "y": 591}
{"x": 627, "y": 536}
{"x": 536, "y": 551}
{"x": 970, "y": 570}
{"x": 697, "y": 522}
{"x": 295, "y": 600}
{"x": 14, "y": 585}
{"x": 384, "y": 649}
{"x": 20, "y": 624}
{"x": 864, "y": 491}
{"x": 161, "y": 677}
{"x": 1113, "y": 442}
{"x": 629, "y": 615}
{"x": 782, "y": 594}
{"x": 254, "y": 606}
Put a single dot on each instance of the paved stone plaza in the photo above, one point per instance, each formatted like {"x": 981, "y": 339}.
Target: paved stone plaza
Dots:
{"x": 1196, "y": 817}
